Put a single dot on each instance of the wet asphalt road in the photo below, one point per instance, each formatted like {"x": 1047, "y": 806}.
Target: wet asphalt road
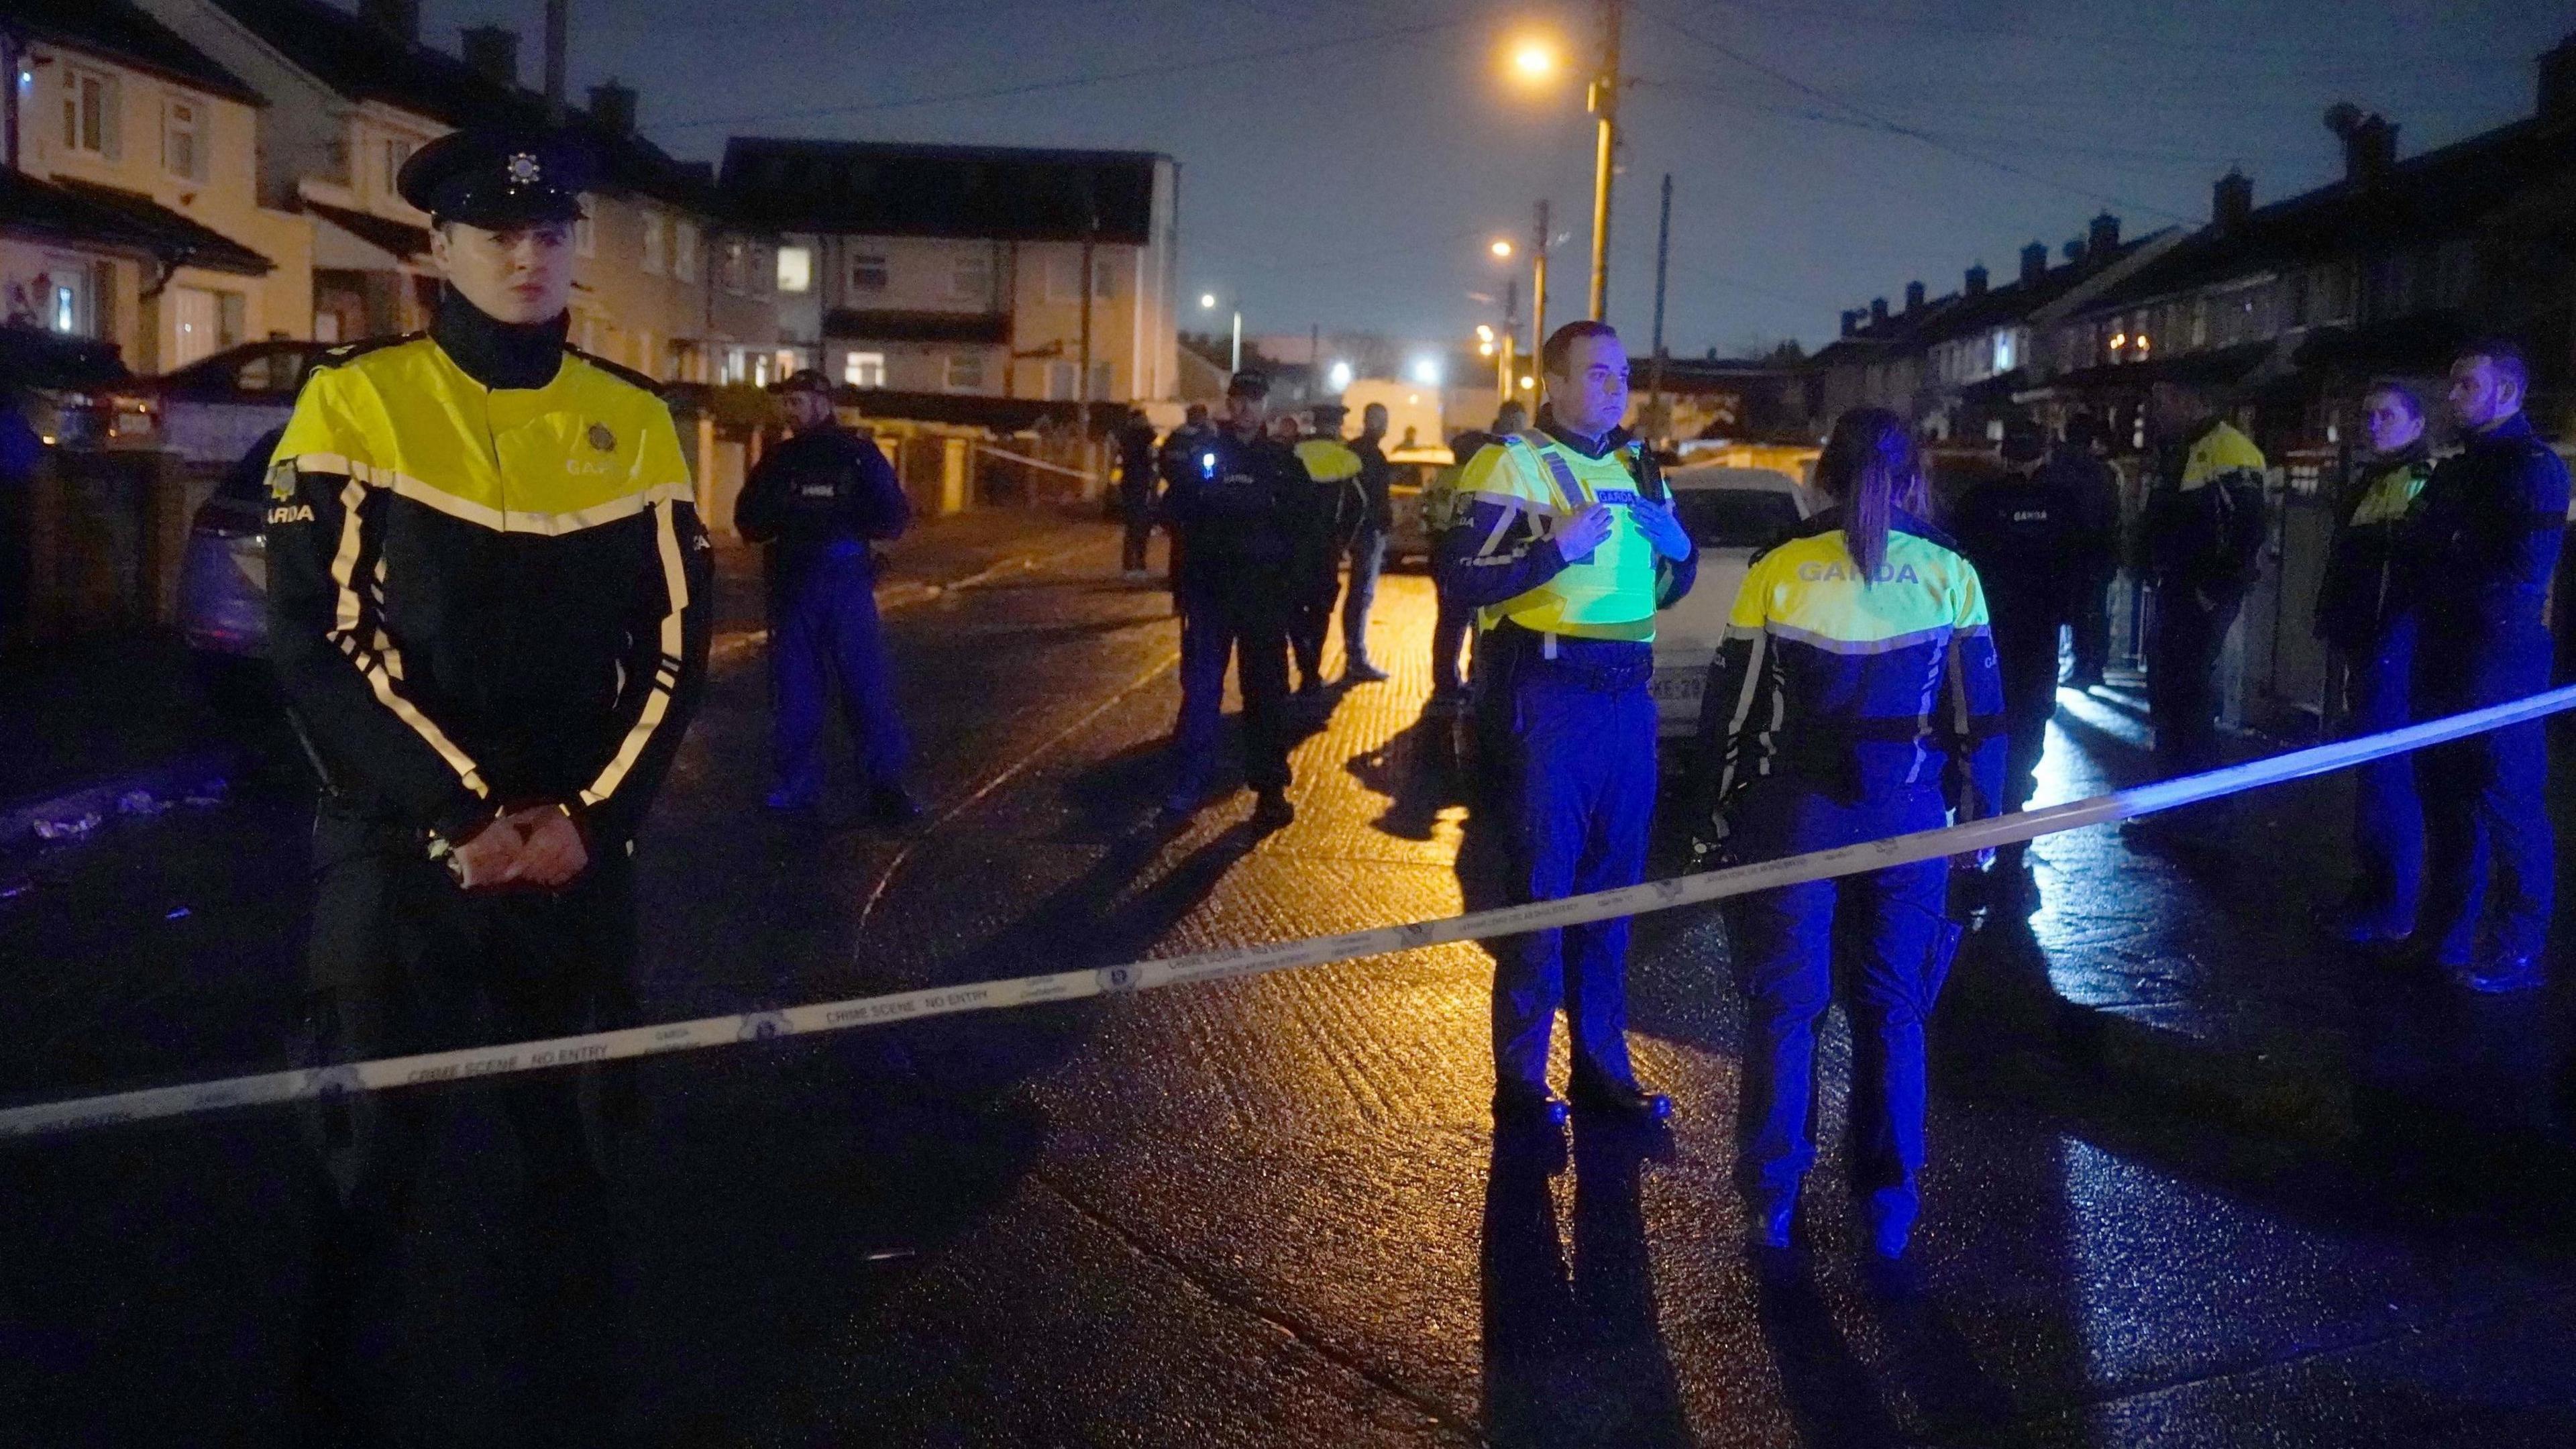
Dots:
{"x": 1262, "y": 1213}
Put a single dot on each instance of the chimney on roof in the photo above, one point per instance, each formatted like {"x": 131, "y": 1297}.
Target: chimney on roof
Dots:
{"x": 1877, "y": 310}
{"x": 1976, "y": 280}
{"x": 2369, "y": 143}
{"x": 1851, "y": 320}
{"x": 2034, "y": 262}
{"x": 493, "y": 50}
{"x": 2231, "y": 200}
{"x": 1913, "y": 296}
{"x": 613, "y": 106}
{"x": 2558, "y": 81}
{"x": 399, "y": 17}
{"x": 2103, "y": 237}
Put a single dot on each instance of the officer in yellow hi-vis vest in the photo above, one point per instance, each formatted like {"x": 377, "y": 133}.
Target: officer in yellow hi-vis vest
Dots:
{"x": 1334, "y": 468}
{"x": 1568, "y": 547}
{"x": 489, "y": 601}
{"x": 2203, "y": 531}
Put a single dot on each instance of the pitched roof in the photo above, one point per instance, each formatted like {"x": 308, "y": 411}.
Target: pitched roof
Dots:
{"x": 2423, "y": 198}
{"x": 121, "y": 31}
{"x": 170, "y": 234}
{"x": 2017, "y": 299}
{"x": 1909, "y": 327}
{"x": 884, "y": 189}
{"x": 81, "y": 211}
{"x": 394, "y": 238}
{"x": 364, "y": 61}
{"x": 983, "y": 327}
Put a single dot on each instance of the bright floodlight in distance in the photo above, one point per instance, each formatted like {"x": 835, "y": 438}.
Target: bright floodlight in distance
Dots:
{"x": 1426, "y": 371}
{"x": 1340, "y": 376}
{"x": 1484, "y": 333}
{"x": 1501, "y": 248}
{"x": 1484, "y": 349}
{"x": 1533, "y": 58}
{"x": 1208, "y": 300}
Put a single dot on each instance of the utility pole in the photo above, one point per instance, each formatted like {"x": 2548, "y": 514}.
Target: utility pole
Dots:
{"x": 1663, "y": 257}
{"x": 1605, "y": 105}
{"x": 12, "y": 49}
{"x": 1314, "y": 362}
{"x": 1503, "y": 343}
{"x": 558, "y": 23}
{"x": 1090, "y": 229}
{"x": 1538, "y": 286}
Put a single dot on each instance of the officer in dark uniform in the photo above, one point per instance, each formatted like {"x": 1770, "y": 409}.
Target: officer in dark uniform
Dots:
{"x": 1179, "y": 452}
{"x": 817, "y": 500}
{"x": 2203, "y": 534}
{"x": 2078, "y": 465}
{"x": 2366, "y": 614}
{"x": 1336, "y": 503}
{"x": 2493, "y": 520}
{"x": 488, "y": 594}
{"x": 1136, "y": 478}
{"x": 2025, "y": 532}
{"x": 1241, "y": 508}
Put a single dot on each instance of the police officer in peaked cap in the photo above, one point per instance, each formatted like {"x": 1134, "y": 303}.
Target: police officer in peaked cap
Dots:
{"x": 489, "y": 602}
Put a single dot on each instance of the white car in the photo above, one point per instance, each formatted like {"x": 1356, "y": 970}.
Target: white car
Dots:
{"x": 1733, "y": 513}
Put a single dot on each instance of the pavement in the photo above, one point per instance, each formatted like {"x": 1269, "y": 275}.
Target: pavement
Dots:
{"x": 1272, "y": 1211}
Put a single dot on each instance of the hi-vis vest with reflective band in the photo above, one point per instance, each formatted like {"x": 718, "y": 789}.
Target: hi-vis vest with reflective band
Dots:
{"x": 2220, "y": 451}
{"x": 2391, "y": 494}
{"x": 587, "y": 448}
{"x": 1611, "y": 594}
{"x": 1328, "y": 460}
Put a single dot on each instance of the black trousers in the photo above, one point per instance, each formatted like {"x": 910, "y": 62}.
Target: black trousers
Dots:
{"x": 2182, "y": 695}
{"x": 1136, "y": 505}
{"x": 1243, "y": 617}
{"x": 404, "y": 962}
{"x": 1310, "y": 616}
{"x": 2092, "y": 623}
{"x": 2027, "y": 653}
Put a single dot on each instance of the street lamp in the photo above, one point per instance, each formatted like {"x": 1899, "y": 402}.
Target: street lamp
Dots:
{"x": 1533, "y": 61}
{"x": 1340, "y": 377}
{"x": 1501, "y": 248}
{"x": 1207, "y": 303}
{"x": 1426, "y": 371}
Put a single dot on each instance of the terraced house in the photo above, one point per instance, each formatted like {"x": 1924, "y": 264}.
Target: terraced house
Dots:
{"x": 660, "y": 286}
{"x": 129, "y": 212}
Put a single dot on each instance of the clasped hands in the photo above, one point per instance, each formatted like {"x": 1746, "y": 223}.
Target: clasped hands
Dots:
{"x": 536, "y": 846}
{"x": 1589, "y": 526}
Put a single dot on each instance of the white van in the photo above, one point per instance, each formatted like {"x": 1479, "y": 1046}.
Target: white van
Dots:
{"x": 1732, "y": 513}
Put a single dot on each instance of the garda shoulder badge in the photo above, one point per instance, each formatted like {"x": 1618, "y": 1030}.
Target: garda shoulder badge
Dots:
{"x": 281, "y": 479}
{"x": 602, "y": 439}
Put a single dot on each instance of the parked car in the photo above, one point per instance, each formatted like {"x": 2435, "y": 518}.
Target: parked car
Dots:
{"x": 1413, "y": 468}
{"x": 212, "y": 409}
{"x": 223, "y": 576}
{"x": 1733, "y": 513}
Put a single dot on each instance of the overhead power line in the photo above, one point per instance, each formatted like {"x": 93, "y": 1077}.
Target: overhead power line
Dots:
{"x": 1872, "y": 120}
{"x": 1076, "y": 82}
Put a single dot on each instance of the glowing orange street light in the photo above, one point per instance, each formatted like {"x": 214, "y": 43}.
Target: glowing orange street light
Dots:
{"x": 1501, "y": 248}
{"x": 1533, "y": 59}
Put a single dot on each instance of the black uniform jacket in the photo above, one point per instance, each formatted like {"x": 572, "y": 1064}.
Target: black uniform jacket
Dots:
{"x": 1245, "y": 511}
{"x": 488, "y": 586}
{"x": 2028, "y": 537}
{"x": 824, "y": 486}
{"x": 2494, "y": 515}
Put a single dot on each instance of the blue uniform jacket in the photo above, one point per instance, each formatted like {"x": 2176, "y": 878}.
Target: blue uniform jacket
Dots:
{"x": 819, "y": 488}
{"x": 1475, "y": 577}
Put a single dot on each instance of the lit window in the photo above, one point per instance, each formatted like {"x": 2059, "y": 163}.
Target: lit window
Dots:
{"x": 795, "y": 269}
{"x": 864, "y": 369}
{"x": 182, "y": 147}
{"x": 868, "y": 272}
{"x": 2006, "y": 351}
{"x": 965, "y": 371}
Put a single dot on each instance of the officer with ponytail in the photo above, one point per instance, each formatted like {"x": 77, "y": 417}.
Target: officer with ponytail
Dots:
{"x": 1856, "y": 697}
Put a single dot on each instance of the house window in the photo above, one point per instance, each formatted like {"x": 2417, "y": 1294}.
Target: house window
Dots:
{"x": 585, "y": 235}
{"x": 397, "y": 151}
{"x": 684, "y": 250}
{"x": 1060, "y": 376}
{"x": 864, "y": 369}
{"x": 1064, "y": 278}
{"x": 867, "y": 272}
{"x": 970, "y": 277}
{"x": 89, "y": 112}
{"x": 1104, "y": 278}
{"x": 652, "y": 244}
{"x": 965, "y": 372}
{"x": 202, "y": 323}
{"x": 1102, "y": 375}
{"x": 2007, "y": 351}
{"x": 795, "y": 269}
{"x": 183, "y": 151}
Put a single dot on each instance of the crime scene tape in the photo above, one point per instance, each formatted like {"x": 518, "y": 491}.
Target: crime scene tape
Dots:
{"x": 465, "y": 1064}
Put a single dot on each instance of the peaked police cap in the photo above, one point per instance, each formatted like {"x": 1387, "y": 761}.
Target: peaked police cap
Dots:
{"x": 498, "y": 177}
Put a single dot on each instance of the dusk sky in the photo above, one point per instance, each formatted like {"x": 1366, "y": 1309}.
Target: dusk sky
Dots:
{"x": 1344, "y": 162}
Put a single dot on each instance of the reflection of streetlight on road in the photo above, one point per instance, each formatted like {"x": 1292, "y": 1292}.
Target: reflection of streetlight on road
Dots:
{"x": 1207, "y": 303}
